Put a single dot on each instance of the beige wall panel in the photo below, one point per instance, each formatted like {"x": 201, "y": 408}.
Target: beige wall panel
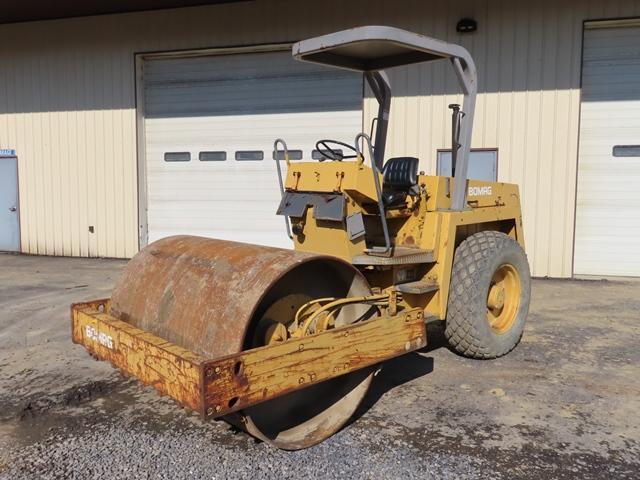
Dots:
{"x": 67, "y": 105}
{"x": 528, "y": 57}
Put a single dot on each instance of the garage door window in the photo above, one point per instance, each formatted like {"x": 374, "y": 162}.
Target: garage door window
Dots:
{"x": 250, "y": 155}
{"x": 626, "y": 151}
{"x": 177, "y": 156}
{"x": 212, "y": 156}
{"x": 293, "y": 155}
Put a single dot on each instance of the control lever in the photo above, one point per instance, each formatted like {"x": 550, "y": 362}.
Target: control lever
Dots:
{"x": 456, "y": 117}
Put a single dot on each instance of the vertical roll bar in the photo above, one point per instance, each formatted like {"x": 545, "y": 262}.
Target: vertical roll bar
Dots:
{"x": 379, "y": 83}
{"x": 466, "y": 73}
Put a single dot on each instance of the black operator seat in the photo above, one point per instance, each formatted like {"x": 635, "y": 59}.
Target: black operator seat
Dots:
{"x": 399, "y": 179}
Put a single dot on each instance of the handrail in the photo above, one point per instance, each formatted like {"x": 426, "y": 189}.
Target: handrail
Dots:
{"x": 286, "y": 159}
{"x": 376, "y": 181}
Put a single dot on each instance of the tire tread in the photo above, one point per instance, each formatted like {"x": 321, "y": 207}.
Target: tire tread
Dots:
{"x": 471, "y": 259}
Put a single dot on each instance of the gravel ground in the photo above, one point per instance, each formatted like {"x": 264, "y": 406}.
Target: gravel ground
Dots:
{"x": 563, "y": 405}
{"x": 116, "y": 452}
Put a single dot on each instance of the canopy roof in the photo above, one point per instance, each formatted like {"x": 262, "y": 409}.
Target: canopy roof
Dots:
{"x": 372, "y": 48}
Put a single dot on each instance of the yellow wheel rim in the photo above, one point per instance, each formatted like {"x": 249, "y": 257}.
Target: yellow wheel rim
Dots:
{"x": 503, "y": 298}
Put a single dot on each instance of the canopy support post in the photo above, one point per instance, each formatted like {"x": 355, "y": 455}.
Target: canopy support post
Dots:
{"x": 379, "y": 83}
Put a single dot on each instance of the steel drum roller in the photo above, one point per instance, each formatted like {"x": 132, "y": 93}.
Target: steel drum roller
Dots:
{"x": 217, "y": 297}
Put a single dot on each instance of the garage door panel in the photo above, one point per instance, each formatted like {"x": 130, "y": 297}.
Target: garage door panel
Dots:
{"x": 266, "y": 238}
{"x": 231, "y": 220}
{"x": 592, "y": 111}
{"x": 617, "y": 170}
{"x": 622, "y": 219}
{"x": 261, "y": 128}
{"x": 623, "y": 122}
{"x": 234, "y": 105}
{"x": 608, "y": 198}
{"x": 243, "y": 195}
{"x": 613, "y": 201}
{"x": 275, "y": 85}
{"x": 231, "y": 104}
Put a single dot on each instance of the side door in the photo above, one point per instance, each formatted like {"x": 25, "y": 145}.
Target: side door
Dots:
{"x": 9, "y": 213}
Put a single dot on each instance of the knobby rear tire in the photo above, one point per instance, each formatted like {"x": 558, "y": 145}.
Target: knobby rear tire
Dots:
{"x": 475, "y": 262}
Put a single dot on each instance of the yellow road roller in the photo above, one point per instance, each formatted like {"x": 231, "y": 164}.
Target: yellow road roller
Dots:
{"x": 284, "y": 343}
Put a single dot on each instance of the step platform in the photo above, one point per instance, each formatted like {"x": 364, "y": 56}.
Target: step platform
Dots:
{"x": 399, "y": 256}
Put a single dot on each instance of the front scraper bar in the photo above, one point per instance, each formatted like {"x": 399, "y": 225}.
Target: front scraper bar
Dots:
{"x": 216, "y": 387}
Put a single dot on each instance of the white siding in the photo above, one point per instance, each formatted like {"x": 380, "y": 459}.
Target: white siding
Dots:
{"x": 67, "y": 104}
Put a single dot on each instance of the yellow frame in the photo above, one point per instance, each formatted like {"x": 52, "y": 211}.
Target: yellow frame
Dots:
{"x": 428, "y": 224}
{"x": 217, "y": 387}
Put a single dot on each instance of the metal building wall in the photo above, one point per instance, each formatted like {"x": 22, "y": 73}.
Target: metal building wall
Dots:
{"x": 67, "y": 104}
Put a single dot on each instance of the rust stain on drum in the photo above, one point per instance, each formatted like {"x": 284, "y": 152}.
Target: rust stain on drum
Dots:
{"x": 211, "y": 297}
{"x": 199, "y": 293}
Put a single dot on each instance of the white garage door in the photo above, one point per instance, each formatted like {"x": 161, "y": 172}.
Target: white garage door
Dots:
{"x": 608, "y": 198}
{"x": 210, "y": 123}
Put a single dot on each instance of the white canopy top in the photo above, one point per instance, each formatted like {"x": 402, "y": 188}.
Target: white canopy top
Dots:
{"x": 373, "y": 48}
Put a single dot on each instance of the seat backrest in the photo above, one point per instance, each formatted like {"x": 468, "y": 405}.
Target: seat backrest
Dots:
{"x": 400, "y": 173}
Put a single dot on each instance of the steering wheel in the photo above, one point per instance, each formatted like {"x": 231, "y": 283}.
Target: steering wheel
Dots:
{"x": 323, "y": 147}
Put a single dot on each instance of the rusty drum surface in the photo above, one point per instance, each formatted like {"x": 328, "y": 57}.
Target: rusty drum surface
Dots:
{"x": 199, "y": 293}
{"x": 211, "y": 297}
